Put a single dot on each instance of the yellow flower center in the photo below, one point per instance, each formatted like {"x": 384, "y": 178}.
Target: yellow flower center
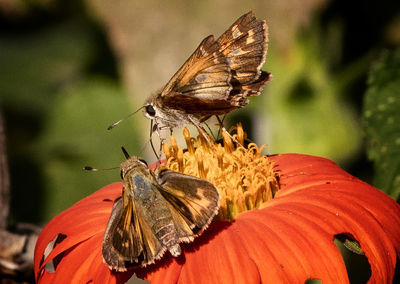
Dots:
{"x": 244, "y": 177}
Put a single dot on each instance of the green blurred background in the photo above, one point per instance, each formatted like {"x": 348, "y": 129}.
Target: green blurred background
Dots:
{"x": 68, "y": 69}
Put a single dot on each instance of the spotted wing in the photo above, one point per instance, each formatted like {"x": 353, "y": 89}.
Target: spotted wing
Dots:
{"x": 117, "y": 234}
{"x": 238, "y": 55}
{"x": 193, "y": 201}
{"x": 205, "y": 75}
{"x": 245, "y": 44}
{"x": 127, "y": 240}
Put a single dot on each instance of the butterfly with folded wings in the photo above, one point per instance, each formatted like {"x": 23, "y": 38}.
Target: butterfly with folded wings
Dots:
{"x": 216, "y": 79}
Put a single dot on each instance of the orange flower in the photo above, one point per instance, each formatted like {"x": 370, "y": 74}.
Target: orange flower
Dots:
{"x": 289, "y": 237}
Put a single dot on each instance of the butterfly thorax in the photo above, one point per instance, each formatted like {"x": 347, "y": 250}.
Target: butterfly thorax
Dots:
{"x": 167, "y": 116}
{"x": 132, "y": 165}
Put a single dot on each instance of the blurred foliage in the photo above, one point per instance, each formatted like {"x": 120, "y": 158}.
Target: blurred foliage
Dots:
{"x": 381, "y": 122}
{"x": 57, "y": 114}
{"x": 68, "y": 69}
{"x": 304, "y": 109}
{"x": 35, "y": 65}
{"x": 82, "y": 113}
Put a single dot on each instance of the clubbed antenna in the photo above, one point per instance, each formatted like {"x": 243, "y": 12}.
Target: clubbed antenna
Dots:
{"x": 119, "y": 121}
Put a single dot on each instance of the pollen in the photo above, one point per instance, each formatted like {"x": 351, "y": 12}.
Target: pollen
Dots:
{"x": 244, "y": 177}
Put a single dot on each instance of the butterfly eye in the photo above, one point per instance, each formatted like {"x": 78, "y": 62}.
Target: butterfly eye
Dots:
{"x": 143, "y": 161}
{"x": 150, "y": 110}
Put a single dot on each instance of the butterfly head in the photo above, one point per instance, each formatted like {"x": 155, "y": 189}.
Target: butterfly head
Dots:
{"x": 162, "y": 116}
{"x": 133, "y": 164}
{"x": 152, "y": 109}
{"x": 149, "y": 111}
{"x": 152, "y": 112}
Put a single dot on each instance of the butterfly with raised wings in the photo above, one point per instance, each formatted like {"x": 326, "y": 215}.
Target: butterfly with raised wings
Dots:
{"x": 216, "y": 79}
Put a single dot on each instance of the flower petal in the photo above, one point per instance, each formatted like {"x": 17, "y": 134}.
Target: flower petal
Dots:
{"x": 289, "y": 240}
{"x": 87, "y": 257}
{"x": 317, "y": 190}
{"x": 211, "y": 259}
{"x": 82, "y": 224}
{"x": 289, "y": 251}
{"x": 216, "y": 261}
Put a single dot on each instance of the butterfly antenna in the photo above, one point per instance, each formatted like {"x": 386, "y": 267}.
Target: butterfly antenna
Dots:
{"x": 119, "y": 121}
{"x": 125, "y": 152}
{"x": 91, "y": 169}
{"x": 209, "y": 129}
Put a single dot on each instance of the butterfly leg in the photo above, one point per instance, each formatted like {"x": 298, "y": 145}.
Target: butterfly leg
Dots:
{"x": 226, "y": 131}
{"x": 220, "y": 123}
{"x": 154, "y": 128}
{"x": 209, "y": 129}
{"x": 161, "y": 138}
{"x": 201, "y": 130}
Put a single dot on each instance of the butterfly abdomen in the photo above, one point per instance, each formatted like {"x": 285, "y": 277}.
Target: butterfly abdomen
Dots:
{"x": 156, "y": 214}
{"x": 164, "y": 229}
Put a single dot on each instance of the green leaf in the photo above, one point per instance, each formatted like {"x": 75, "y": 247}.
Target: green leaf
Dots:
{"x": 75, "y": 135}
{"x": 381, "y": 115}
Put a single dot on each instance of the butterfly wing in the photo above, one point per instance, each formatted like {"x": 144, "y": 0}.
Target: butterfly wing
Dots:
{"x": 193, "y": 201}
{"x": 128, "y": 241}
{"x": 118, "y": 232}
{"x": 244, "y": 44}
{"x": 204, "y": 75}
{"x": 221, "y": 74}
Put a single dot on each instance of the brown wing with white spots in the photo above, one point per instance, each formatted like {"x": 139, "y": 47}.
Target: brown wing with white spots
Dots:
{"x": 245, "y": 45}
{"x": 221, "y": 74}
{"x": 205, "y": 75}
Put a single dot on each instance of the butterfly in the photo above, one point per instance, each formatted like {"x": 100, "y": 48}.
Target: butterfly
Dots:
{"x": 216, "y": 79}
{"x": 155, "y": 213}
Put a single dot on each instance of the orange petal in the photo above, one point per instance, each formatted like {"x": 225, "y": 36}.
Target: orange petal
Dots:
{"x": 318, "y": 190}
{"x": 289, "y": 240}
{"x": 222, "y": 259}
{"x": 84, "y": 220}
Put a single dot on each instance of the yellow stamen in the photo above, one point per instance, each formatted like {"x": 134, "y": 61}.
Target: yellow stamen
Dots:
{"x": 244, "y": 177}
